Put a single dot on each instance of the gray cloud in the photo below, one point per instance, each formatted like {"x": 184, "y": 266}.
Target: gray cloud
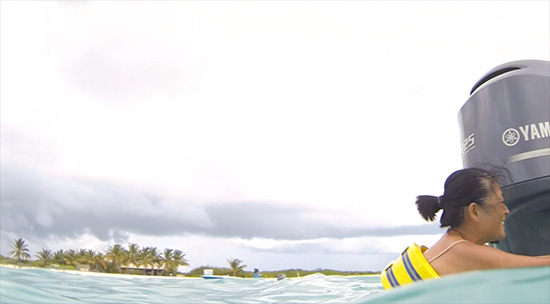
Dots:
{"x": 318, "y": 248}
{"x": 36, "y": 204}
{"x": 249, "y": 220}
{"x": 42, "y": 206}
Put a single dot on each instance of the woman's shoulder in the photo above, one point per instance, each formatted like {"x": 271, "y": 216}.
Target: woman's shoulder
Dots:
{"x": 476, "y": 257}
{"x": 450, "y": 255}
{"x": 442, "y": 247}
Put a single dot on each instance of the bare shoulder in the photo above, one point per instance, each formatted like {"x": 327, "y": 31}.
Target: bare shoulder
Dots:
{"x": 487, "y": 257}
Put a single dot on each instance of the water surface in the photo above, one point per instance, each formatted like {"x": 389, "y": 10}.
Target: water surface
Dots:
{"x": 48, "y": 286}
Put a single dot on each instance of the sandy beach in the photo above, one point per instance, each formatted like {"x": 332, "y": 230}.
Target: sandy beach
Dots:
{"x": 98, "y": 274}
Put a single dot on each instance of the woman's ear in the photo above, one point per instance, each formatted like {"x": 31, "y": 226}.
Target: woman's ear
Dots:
{"x": 473, "y": 211}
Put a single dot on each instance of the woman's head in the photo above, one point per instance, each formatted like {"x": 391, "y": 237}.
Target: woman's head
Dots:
{"x": 462, "y": 187}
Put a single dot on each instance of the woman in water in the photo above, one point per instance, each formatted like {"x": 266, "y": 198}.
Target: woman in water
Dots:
{"x": 474, "y": 211}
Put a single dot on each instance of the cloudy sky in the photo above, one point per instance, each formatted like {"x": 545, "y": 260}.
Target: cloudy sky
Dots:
{"x": 288, "y": 134}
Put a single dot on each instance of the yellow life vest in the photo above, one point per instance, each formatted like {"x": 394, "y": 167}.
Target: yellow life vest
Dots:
{"x": 409, "y": 267}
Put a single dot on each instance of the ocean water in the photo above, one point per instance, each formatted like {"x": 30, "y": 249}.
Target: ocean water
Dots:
{"x": 48, "y": 286}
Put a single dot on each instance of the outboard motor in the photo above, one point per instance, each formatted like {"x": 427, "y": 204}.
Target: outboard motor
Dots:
{"x": 506, "y": 122}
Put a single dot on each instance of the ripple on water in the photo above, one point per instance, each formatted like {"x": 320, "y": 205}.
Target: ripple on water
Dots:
{"x": 46, "y": 286}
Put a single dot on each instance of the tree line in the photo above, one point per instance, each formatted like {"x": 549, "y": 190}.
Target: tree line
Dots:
{"x": 115, "y": 259}
{"x": 145, "y": 261}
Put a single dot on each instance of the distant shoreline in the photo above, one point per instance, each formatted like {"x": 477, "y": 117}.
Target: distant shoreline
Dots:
{"x": 97, "y": 274}
{"x": 123, "y": 275}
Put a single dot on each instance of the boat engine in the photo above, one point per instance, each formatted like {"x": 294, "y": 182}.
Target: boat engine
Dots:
{"x": 506, "y": 122}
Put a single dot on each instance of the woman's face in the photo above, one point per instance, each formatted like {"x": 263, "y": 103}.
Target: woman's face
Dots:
{"x": 494, "y": 213}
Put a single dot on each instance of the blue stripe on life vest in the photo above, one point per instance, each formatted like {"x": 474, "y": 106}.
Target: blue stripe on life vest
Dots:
{"x": 391, "y": 278}
{"x": 409, "y": 267}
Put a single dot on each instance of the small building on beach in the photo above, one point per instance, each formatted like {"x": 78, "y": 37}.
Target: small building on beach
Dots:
{"x": 131, "y": 268}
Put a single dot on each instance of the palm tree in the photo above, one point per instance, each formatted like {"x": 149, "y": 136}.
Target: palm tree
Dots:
{"x": 179, "y": 259}
{"x": 167, "y": 260}
{"x": 117, "y": 255}
{"x": 146, "y": 259}
{"x": 71, "y": 257}
{"x": 149, "y": 257}
{"x": 155, "y": 258}
{"x": 99, "y": 263}
{"x": 133, "y": 256}
{"x": 45, "y": 256}
{"x": 235, "y": 265}
{"x": 59, "y": 257}
{"x": 20, "y": 250}
{"x": 86, "y": 256}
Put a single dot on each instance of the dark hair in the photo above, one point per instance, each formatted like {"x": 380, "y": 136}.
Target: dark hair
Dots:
{"x": 462, "y": 187}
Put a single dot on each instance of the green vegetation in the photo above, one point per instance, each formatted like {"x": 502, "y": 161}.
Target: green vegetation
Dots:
{"x": 236, "y": 266}
{"x": 289, "y": 273}
{"x": 20, "y": 250}
{"x": 45, "y": 256}
{"x": 140, "y": 261}
{"x": 116, "y": 259}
